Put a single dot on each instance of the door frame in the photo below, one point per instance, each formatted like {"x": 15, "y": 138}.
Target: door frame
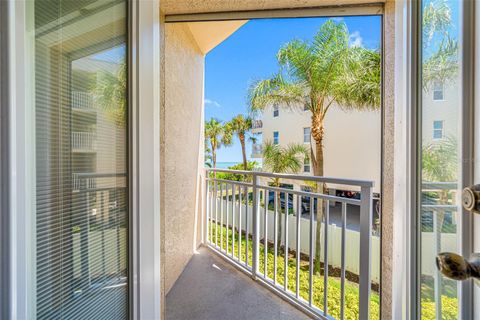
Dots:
{"x": 17, "y": 191}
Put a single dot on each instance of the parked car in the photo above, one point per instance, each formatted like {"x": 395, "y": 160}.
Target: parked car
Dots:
{"x": 271, "y": 203}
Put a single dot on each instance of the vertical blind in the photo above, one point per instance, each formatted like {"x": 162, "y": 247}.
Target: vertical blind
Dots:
{"x": 81, "y": 218}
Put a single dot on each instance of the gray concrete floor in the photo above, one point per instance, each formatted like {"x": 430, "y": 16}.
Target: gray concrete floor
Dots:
{"x": 210, "y": 288}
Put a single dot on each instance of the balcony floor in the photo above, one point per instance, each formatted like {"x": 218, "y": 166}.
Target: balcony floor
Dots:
{"x": 210, "y": 288}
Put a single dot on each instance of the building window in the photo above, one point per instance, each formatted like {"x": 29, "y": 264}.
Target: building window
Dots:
{"x": 306, "y": 165}
{"x": 438, "y": 130}
{"x": 438, "y": 91}
{"x": 275, "y": 111}
{"x": 306, "y": 135}
{"x": 275, "y": 137}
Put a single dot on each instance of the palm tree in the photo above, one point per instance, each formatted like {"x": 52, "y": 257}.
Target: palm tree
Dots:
{"x": 208, "y": 156}
{"x": 217, "y": 135}
{"x": 440, "y": 51}
{"x": 440, "y": 164}
{"x": 279, "y": 159}
{"x": 240, "y": 126}
{"x": 110, "y": 93}
{"x": 318, "y": 75}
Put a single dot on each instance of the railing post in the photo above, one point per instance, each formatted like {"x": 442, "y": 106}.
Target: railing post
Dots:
{"x": 207, "y": 207}
{"x": 365, "y": 251}
{"x": 256, "y": 227}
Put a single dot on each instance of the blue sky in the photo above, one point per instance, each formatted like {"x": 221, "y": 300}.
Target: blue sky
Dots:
{"x": 250, "y": 54}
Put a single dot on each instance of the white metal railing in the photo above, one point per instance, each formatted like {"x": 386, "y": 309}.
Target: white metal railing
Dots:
{"x": 251, "y": 208}
{"x": 82, "y": 100}
{"x": 438, "y": 211}
{"x": 83, "y": 140}
{"x": 80, "y": 181}
{"x": 257, "y": 124}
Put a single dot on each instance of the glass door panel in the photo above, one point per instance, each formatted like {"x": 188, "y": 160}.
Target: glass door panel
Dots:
{"x": 81, "y": 243}
{"x": 440, "y": 137}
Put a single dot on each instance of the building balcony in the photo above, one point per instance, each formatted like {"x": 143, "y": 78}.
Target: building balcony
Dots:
{"x": 257, "y": 151}
{"x": 246, "y": 226}
{"x": 83, "y": 141}
{"x": 257, "y": 126}
{"x": 221, "y": 292}
{"x": 82, "y": 101}
{"x": 83, "y": 181}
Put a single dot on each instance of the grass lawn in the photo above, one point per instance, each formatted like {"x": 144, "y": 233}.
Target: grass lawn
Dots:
{"x": 351, "y": 288}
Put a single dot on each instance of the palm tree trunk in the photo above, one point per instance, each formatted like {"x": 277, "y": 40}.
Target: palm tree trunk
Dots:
{"x": 244, "y": 153}
{"x": 318, "y": 164}
{"x": 214, "y": 160}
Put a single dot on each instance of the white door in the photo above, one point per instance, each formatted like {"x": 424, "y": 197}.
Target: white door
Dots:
{"x": 447, "y": 164}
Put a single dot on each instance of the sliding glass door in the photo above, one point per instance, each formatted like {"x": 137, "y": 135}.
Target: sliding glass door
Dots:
{"x": 79, "y": 80}
{"x": 445, "y": 152}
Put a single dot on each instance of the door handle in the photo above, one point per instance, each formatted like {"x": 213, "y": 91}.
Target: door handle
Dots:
{"x": 456, "y": 267}
{"x": 471, "y": 198}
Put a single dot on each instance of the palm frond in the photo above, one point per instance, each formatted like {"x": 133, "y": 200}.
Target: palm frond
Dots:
{"x": 288, "y": 159}
{"x": 276, "y": 91}
{"x": 443, "y": 65}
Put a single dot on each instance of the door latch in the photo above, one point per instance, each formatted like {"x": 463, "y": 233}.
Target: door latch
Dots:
{"x": 471, "y": 198}
{"x": 456, "y": 267}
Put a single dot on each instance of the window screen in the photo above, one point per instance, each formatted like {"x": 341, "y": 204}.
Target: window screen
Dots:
{"x": 81, "y": 218}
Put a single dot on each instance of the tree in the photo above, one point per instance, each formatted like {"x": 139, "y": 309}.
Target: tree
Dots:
{"x": 217, "y": 135}
{"x": 279, "y": 159}
{"x": 208, "y": 156}
{"x": 251, "y": 165}
{"x": 318, "y": 75}
{"x": 240, "y": 126}
{"x": 440, "y": 161}
{"x": 110, "y": 93}
{"x": 440, "y": 51}
{"x": 440, "y": 164}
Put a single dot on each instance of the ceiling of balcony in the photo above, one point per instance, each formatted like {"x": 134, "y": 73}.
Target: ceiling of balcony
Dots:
{"x": 170, "y": 7}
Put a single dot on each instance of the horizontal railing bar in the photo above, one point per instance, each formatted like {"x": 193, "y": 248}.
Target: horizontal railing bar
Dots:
{"x": 352, "y": 182}
{"x": 314, "y": 195}
{"x": 439, "y": 206}
{"x": 440, "y": 185}
{"x": 98, "y": 189}
{"x": 99, "y": 175}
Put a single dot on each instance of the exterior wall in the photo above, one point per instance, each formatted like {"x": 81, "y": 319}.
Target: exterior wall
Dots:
{"x": 184, "y": 65}
{"x": 352, "y": 140}
{"x": 445, "y": 110}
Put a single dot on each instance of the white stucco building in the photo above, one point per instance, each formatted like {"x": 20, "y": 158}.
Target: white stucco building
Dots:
{"x": 352, "y": 140}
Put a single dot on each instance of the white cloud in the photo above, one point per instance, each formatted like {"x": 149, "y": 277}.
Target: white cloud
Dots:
{"x": 356, "y": 39}
{"x": 212, "y": 103}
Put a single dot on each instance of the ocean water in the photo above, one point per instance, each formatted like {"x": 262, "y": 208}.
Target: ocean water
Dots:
{"x": 225, "y": 165}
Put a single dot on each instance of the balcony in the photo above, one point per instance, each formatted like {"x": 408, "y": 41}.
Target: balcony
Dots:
{"x": 83, "y": 141}
{"x": 246, "y": 225}
{"x": 83, "y": 181}
{"x": 257, "y": 124}
{"x": 257, "y": 150}
{"x": 82, "y": 101}
{"x": 221, "y": 292}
